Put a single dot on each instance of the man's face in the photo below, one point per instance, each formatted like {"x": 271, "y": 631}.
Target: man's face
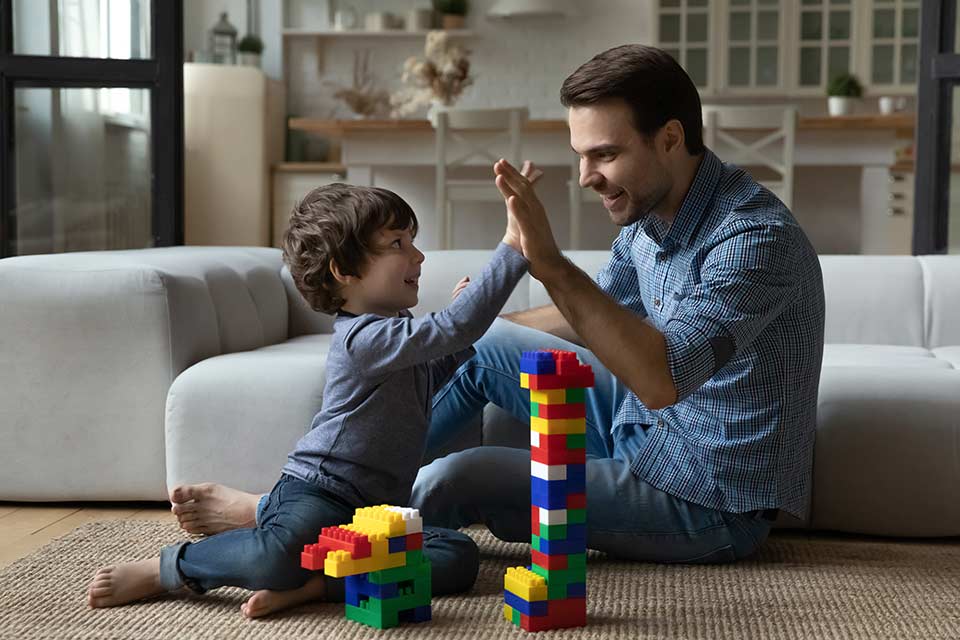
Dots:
{"x": 617, "y": 161}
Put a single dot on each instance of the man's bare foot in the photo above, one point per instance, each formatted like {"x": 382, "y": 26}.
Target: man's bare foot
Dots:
{"x": 263, "y": 602}
{"x": 122, "y": 583}
{"x": 210, "y": 508}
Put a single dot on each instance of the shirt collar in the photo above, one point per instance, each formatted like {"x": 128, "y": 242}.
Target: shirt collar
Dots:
{"x": 691, "y": 209}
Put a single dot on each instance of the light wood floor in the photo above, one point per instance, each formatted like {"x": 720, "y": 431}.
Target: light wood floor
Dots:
{"x": 25, "y": 526}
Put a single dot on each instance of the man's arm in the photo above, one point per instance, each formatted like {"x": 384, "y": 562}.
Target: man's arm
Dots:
{"x": 633, "y": 351}
{"x": 547, "y": 319}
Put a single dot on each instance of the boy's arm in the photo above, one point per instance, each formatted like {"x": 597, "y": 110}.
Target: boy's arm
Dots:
{"x": 381, "y": 345}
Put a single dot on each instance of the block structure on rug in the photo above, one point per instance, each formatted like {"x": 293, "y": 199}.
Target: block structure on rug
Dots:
{"x": 551, "y": 593}
{"x": 380, "y": 555}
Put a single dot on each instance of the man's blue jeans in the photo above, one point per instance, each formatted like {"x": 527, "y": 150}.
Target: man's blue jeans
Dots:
{"x": 626, "y": 516}
{"x": 268, "y": 556}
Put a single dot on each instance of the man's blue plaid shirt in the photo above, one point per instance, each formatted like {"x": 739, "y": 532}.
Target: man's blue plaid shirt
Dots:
{"x": 736, "y": 290}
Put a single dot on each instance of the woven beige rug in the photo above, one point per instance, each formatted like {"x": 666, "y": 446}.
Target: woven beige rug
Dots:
{"x": 798, "y": 587}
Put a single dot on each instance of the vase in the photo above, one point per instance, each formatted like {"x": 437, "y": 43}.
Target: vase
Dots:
{"x": 841, "y": 105}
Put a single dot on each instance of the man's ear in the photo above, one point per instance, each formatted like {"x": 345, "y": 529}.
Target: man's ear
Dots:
{"x": 674, "y": 136}
{"x": 339, "y": 275}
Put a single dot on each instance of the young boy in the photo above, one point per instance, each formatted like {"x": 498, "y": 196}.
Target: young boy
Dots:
{"x": 350, "y": 251}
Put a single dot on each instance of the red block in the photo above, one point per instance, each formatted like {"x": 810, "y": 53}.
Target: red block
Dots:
{"x": 561, "y": 411}
{"x": 577, "y": 501}
{"x": 579, "y": 380}
{"x": 313, "y": 556}
{"x": 553, "y": 441}
{"x": 569, "y": 612}
{"x": 534, "y": 519}
{"x": 558, "y": 456}
{"x": 414, "y": 541}
{"x": 343, "y": 539}
{"x": 552, "y": 561}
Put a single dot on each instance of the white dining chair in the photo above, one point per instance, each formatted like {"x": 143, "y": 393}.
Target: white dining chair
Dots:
{"x": 749, "y": 136}
{"x": 461, "y": 136}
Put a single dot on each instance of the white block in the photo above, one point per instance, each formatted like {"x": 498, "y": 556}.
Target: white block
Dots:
{"x": 553, "y": 516}
{"x": 548, "y": 472}
{"x": 534, "y": 438}
{"x": 411, "y": 519}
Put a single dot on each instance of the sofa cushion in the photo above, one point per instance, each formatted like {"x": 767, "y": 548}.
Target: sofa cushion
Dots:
{"x": 881, "y": 355}
{"x": 942, "y": 300}
{"x": 949, "y": 354}
{"x": 234, "y": 418}
{"x": 873, "y": 300}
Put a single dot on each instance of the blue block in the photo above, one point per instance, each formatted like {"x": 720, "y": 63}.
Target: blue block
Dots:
{"x": 417, "y": 614}
{"x": 536, "y": 362}
{"x": 563, "y": 547}
{"x": 577, "y": 590}
{"x": 535, "y": 608}
{"x": 360, "y": 585}
{"x": 552, "y": 494}
{"x": 397, "y": 544}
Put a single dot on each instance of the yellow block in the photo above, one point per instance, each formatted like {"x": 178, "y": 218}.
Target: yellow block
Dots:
{"x": 558, "y": 425}
{"x": 524, "y": 380}
{"x": 525, "y": 584}
{"x": 378, "y": 520}
{"x": 549, "y": 396}
{"x": 508, "y": 612}
{"x": 339, "y": 564}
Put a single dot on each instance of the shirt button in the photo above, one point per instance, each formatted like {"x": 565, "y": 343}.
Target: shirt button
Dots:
{"x": 660, "y": 423}
{"x": 661, "y": 256}
{"x": 656, "y": 302}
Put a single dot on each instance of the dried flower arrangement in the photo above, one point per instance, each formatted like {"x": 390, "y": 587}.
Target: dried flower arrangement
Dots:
{"x": 363, "y": 98}
{"x": 441, "y": 76}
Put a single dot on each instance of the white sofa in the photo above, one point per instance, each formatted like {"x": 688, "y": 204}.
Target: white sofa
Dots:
{"x": 125, "y": 373}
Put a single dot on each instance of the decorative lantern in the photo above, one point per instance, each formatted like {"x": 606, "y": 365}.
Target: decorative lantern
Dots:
{"x": 223, "y": 41}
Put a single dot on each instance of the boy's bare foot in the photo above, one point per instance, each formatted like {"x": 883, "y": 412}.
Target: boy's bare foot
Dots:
{"x": 122, "y": 583}
{"x": 263, "y": 602}
{"x": 210, "y": 508}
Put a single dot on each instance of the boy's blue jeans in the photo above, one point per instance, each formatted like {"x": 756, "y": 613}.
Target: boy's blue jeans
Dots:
{"x": 626, "y": 516}
{"x": 268, "y": 556}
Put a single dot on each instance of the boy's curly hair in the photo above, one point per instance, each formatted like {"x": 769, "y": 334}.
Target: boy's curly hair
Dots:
{"x": 336, "y": 224}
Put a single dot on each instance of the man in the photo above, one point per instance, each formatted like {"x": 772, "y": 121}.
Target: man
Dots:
{"x": 704, "y": 331}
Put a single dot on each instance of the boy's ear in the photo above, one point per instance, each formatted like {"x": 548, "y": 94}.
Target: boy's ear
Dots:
{"x": 338, "y": 275}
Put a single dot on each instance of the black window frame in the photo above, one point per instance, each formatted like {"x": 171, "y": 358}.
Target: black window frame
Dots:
{"x": 162, "y": 74}
{"x": 939, "y": 73}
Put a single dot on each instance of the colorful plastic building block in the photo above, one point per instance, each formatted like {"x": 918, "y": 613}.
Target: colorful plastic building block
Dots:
{"x": 387, "y": 578}
{"x": 551, "y": 592}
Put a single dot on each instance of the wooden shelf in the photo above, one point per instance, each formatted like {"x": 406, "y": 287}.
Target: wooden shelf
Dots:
{"x": 306, "y": 167}
{"x": 894, "y": 122}
{"x": 362, "y": 33}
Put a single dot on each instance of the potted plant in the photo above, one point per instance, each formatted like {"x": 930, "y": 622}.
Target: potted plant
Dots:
{"x": 250, "y": 48}
{"x": 452, "y": 13}
{"x": 843, "y": 93}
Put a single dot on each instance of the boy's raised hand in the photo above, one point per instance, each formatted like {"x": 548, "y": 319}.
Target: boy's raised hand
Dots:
{"x": 464, "y": 281}
{"x": 525, "y": 213}
{"x": 512, "y": 234}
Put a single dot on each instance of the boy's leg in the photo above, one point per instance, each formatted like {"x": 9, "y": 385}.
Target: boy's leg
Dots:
{"x": 493, "y": 375}
{"x": 626, "y": 516}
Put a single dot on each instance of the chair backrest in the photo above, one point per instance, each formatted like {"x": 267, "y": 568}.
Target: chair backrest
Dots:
{"x": 752, "y": 136}
{"x": 463, "y": 135}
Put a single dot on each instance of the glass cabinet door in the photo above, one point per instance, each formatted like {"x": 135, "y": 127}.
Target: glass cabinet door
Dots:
{"x": 894, "y": 42}
{"x": 683, "y": 31}
{"x": 753, "y": 48}
{"x": 826, "y": 41}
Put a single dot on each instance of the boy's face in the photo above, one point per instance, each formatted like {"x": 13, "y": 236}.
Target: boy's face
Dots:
{"x": 389, "y": 281}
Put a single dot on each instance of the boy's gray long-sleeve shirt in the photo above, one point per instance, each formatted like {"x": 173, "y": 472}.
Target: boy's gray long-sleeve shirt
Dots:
{"x": 367, "y": 442}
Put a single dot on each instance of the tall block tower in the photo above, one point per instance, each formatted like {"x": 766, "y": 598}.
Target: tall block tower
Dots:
{"x": 551, "y": 593}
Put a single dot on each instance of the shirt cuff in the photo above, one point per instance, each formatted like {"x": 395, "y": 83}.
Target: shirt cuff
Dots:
{"x": 690, "y": 357}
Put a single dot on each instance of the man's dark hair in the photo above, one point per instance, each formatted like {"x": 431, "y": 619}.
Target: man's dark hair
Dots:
{"x": 654, "y": 86}
{"x": 337, "y": 222}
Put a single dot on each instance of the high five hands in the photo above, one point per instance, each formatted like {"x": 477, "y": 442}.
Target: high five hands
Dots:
{"x": 526, "y": 218}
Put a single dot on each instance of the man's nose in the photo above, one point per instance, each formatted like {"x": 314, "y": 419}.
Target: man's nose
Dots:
{"x": 589, "y": 178}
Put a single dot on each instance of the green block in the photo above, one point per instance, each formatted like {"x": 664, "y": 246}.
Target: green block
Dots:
{"x": 577, "y": 561}
{"x": 369, "y": 618}
{"x": 576, "y": 395}
{"x": 576, "y": 441}
{"x": 576, "y": 516}
{"x": 535, "y": 542}
{"x": 534, "y": 409}
{"x": 409, "y": 571}
{"x": 561, "y": 577}
{"x": 516, "y": 617}
{"x": 553, "y": 531}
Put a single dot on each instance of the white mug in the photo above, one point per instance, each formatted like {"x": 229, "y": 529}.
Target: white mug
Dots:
{"x": 887, "y": 105}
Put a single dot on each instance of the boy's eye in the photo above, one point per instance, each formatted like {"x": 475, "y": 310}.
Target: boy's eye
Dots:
{"x": 395, "y": 243}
